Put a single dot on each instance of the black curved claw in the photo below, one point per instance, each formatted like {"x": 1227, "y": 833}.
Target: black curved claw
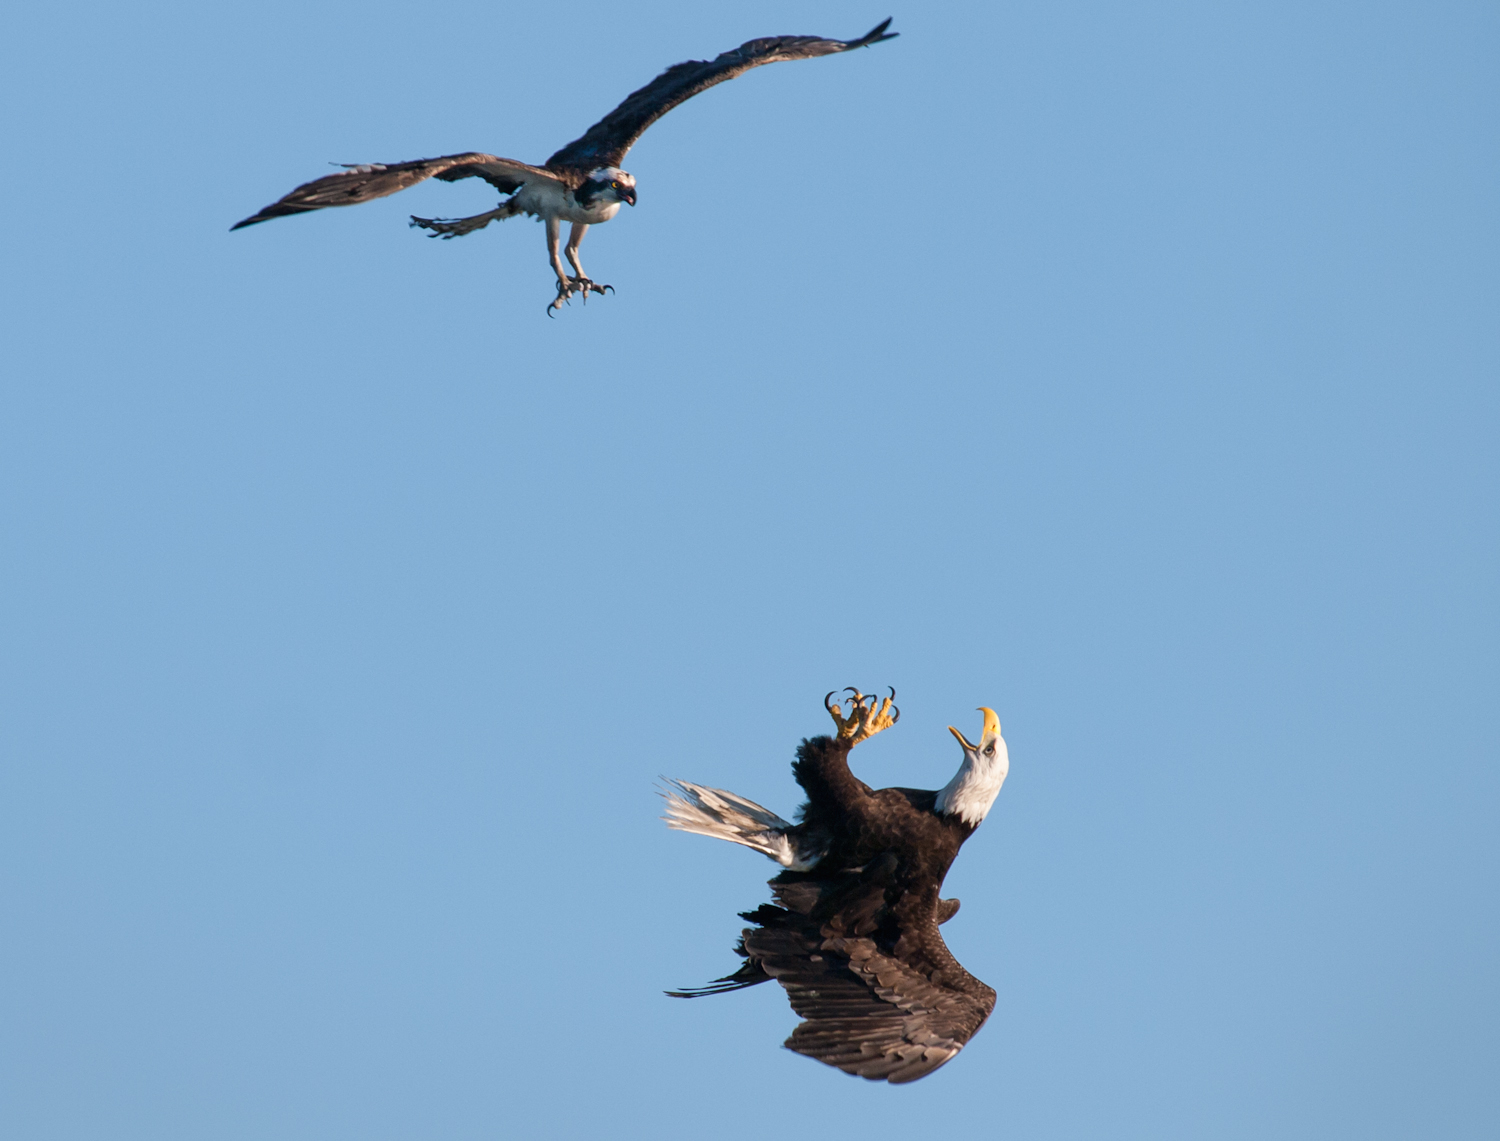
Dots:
{"x": 828, "y": 705}
{"x": 895, "y": 713}
{"x": 564, "y": 295}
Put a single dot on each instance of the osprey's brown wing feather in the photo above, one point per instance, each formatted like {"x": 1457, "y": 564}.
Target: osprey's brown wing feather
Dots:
{"x": 608, "y": 140}
{"x": 376, "y": 180}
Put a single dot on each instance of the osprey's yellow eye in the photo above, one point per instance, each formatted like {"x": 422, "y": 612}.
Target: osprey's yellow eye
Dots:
{"x": 614, "y": 186}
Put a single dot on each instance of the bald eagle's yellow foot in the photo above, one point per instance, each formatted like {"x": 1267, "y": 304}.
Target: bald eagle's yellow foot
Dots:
{"x": 581, "y": 285}
{"x": 866, "y": 717}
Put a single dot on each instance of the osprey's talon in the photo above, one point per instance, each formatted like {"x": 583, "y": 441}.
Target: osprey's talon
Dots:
{"x": 585, "y": 286}
{"x": 866, "y": 718}
{"x": 565, "y": 291}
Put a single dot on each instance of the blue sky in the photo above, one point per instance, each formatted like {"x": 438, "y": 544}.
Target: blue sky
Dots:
{"x": 1129, "y": 369}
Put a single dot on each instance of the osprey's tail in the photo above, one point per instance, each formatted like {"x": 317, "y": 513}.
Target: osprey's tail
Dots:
{"x": 457, "y": 227}
{"x": 714, "y": 812}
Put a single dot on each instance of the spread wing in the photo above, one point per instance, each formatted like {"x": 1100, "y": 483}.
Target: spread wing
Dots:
{"x": 358, "y": 184}
{"x": 607, "y": 141}
{"x": 880, "y": 997}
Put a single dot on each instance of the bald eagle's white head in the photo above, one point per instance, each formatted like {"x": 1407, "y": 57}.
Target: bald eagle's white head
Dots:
{"x": 976, "y": 784}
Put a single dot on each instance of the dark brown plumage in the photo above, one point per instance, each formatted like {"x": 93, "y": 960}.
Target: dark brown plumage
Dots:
{"x": 853, "y": 935}
{"x": 366, "y": 182}
{"x": 607, "y": 141}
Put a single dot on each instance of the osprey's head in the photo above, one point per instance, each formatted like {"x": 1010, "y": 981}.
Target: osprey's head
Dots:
{"x": 976, "y": 784}
{"x": 607, "y": 183}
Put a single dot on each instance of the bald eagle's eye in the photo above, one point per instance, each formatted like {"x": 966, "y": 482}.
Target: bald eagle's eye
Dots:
{"x": 989, "y": 750}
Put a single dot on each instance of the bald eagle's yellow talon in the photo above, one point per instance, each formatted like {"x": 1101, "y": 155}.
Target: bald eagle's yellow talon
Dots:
{"x": 866, "y": 717}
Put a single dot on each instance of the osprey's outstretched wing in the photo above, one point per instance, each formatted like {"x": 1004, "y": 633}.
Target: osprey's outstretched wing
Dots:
{"x": 359, "y": 184}
{"x": 607, "y": 141}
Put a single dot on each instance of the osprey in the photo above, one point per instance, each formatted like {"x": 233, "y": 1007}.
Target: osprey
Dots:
{"x": 582, "y": 183}
{"x": 853, "y": 936}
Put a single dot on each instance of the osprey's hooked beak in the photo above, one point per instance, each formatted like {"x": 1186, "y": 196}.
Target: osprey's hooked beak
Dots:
{"x": 628, "y": 194}
{"x": 991, "y": 729}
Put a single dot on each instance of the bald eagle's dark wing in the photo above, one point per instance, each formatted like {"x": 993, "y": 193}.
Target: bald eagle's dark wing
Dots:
{"x": 889, "y": 1015}
{"x": 607, "y": 141}
{"x": 363, "y": 183}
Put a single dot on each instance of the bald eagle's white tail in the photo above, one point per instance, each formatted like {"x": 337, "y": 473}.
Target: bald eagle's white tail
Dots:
{"x": 714, "y": 812}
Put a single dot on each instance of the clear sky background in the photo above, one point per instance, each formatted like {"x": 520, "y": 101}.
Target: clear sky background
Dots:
{"x": 1130, "y": 369}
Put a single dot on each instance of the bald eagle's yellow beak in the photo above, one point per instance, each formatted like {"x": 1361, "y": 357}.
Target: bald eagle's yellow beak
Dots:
{"x": 991, "y": 729}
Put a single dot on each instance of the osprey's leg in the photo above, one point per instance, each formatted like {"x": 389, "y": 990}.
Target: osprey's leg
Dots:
{"x": 554, "y": 232}
{"x": 565, "y": 287}
{"x": 575, "y": 238}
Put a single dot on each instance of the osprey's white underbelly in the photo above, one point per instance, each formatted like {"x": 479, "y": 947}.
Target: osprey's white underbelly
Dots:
{"x": 548, "y": 199}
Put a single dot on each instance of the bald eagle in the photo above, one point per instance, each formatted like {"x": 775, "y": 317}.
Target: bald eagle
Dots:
{"x": 853, "y": 935}
{"x": 582, "y": 183}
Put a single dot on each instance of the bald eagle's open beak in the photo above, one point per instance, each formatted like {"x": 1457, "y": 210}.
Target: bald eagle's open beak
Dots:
{"x": 991, "y": 729}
